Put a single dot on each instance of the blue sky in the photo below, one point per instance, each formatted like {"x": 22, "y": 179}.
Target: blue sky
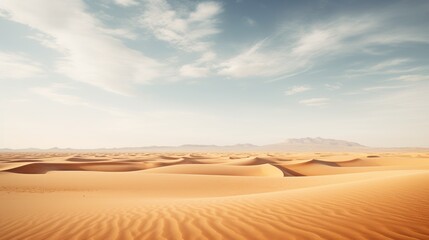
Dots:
{"x": 115, "y": 73}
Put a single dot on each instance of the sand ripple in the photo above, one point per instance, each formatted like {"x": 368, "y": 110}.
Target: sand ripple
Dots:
{"x": 214, "y": 196}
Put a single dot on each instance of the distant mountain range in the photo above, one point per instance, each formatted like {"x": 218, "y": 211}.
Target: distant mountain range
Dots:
{"x": 321, "y": 141}
{"x": 313, "y": 144}
{"x": 289, "y": 145}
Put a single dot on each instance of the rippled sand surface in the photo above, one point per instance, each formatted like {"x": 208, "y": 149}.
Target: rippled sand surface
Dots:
{"x": 214, "y": 196}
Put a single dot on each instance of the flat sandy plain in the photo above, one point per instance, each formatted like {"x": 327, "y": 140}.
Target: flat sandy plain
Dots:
{"x": 214, "y": 196}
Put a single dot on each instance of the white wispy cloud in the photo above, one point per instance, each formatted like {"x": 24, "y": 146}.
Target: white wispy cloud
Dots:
{"x": 296, "y": 89}
{"x": 126, "y": 3}
{"x": 378, "y": 88}
{"x": 390, "y": 63}
{"x": 333, "y": 86}
{"x": 186, "y": 30}
{"x": 301, "y": 46}
{"x": 260, "y": 61}
{"x": 412, "y": 78}
{"x": 389, "y": 66}
{"x": 90, "y": 53}
{"x": 315, "y": 101}
{"x": 18, "y": 66}
{"x": 200, "y": 68}
{"x": 271, "y": 57}
{"x": 394, "y": 35}
{"x": 322, "y": 39}
{"x": 194, "y": 71}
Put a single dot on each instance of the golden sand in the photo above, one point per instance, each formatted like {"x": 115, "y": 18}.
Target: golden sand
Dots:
{"x": 214, "y": 196}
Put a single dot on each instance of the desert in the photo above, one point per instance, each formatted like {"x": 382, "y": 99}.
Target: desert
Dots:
{"x": 214, "y": 120}
{"x": 118, "y": 195}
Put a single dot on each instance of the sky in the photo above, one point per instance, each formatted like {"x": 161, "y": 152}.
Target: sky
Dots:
{"x": 128, "y": 73}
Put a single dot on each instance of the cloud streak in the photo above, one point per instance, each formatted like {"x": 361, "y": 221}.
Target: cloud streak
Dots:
{"x": 314, "y": 102}
{"x": 412, "y": 78}
{"x": 389, "y": 66}
{"x": 186, "y": 30}
{"x": 283, "y": 55}
{"x": 89, "y": 53}
{"x": 18, "y": 66}
{"x": 297, "y": 89}
{"x": 300, "y": 46}
{"x": 126, "y": 3}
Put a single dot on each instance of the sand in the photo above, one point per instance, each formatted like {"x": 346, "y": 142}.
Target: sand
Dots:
{"x": 214, "y": 196}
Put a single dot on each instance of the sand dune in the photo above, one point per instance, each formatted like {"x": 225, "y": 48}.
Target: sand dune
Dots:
{"x": 214, "y": 196}
{"x": 217, "y": 169}
{"x": 249, "y": 161}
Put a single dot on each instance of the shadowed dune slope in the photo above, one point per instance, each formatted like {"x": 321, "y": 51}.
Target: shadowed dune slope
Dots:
{"x": 217, "y": 169}
{"x": 40, "y": 168}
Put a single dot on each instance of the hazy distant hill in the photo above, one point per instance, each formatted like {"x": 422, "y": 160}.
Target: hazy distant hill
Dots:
{"x": 322, "y": 141}
{"x": 294, "y": 144}
{"x": 314, "y": 144}
{"x": 289, "y": 145}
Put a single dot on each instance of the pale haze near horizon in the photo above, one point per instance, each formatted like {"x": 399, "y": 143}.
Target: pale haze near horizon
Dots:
{"x": 126, "y": 73}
